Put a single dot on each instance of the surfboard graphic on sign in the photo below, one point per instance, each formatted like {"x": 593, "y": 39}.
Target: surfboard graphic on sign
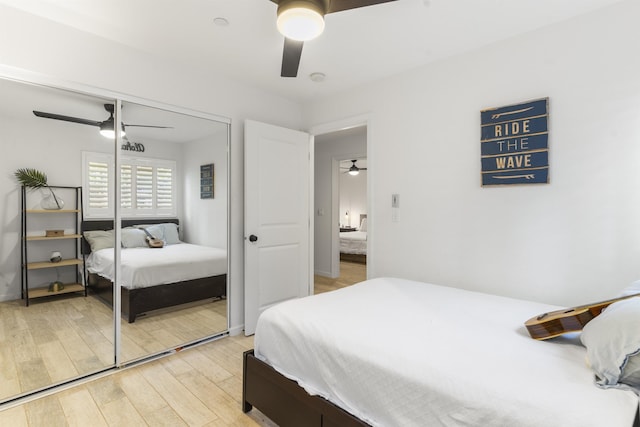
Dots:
{"x": 514, "y": 144}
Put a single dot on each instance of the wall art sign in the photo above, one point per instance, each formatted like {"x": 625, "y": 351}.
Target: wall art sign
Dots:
{"x": 514, "y": 144}
{"x": 206, "y": 181}
{"x": 136, "y": 146}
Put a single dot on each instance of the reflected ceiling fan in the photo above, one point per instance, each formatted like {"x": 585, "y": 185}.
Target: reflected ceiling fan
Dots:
{"x": 354, "y": 169}
{"x": 106, "y": 126}
{"x": 302, "y": 20}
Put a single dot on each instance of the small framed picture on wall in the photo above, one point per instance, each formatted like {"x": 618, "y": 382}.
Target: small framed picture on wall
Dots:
{"x": 206, "y": 181}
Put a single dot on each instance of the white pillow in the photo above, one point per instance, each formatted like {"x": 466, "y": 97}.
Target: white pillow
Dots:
{"x": 633, "y": 288}
{"x": 99, "y": 239}
{"x": 133, "y": 238}
{"x": 613, "y": 344}
{"x": 363, "y": 225}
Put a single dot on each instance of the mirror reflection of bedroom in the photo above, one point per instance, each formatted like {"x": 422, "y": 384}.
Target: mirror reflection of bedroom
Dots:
{"x": 341, "y": 209}
{"x": 56, "y": 277}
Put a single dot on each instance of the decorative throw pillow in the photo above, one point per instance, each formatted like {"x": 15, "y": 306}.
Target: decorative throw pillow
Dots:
{"x": 133, "y": 238}
{"x": 613, "y": 344}
{"x": 99, "y": 239}
{"x": 363, "y": 225}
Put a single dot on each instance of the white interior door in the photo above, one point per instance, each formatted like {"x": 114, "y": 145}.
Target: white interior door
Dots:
{"x": 276, "y": 219}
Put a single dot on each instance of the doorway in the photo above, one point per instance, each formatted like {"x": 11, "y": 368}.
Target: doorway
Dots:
{"x": 341, "y": 202}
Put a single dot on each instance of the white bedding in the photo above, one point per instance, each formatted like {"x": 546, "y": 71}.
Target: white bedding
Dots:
{"x": 353, "y": 242}
{"x": 401, "y": 353}
{"x": 143, "y": 267}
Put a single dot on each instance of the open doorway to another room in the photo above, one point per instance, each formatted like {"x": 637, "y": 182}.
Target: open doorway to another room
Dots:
{"x": 340, "y": 205}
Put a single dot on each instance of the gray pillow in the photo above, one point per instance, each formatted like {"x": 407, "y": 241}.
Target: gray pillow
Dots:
{"x": 171, "y": 236}
{"x": 133, "y": 238}
{"x": 99, "y": 239}
{"x": 613, "y": 344}
{"x": 156, "y": 230}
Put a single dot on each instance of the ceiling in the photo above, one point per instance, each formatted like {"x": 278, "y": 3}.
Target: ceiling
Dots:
{"x": 26, "y": 97}
{"x": 357, "y": 46}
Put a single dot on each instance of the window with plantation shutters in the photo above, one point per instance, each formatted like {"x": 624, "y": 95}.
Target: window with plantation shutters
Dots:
{"x": 147, "y": 186}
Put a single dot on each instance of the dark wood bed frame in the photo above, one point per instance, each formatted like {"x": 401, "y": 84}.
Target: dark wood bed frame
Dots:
{"x": 289, "y": 405}
{"x": 141, "y": 300}
{"x": 357, "y": 258}
{"x": 285, "y": 402}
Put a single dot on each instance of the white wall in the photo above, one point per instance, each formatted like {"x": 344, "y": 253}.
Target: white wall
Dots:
{"x": 206, "y": 219}
{"x": 353, "y": 198}
{"x": 330, "y": 148}
{"x": 43, "y": 46}
{"x": 574, "y": 240}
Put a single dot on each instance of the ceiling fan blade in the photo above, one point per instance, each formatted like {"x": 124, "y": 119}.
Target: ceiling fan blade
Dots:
{"x": 148, "y": 126}
{"x": 66, "y": 118}
{"x": 339, "y": 6}
{"x": 291, "y": 57}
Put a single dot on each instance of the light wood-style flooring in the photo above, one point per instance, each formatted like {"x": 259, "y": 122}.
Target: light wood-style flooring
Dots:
{"x": 350, "y": 273}
{"x": 60, "y": 338}
{"x": 200, "y": 386}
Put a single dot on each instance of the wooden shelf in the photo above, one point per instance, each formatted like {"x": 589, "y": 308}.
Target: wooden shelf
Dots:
{"x": 49, "y": 264}
{"x": 49, "y": 211}
{"x": 65, "y": 236}
{"x": 44, "y": 292}
{"x": 65, "y": 239}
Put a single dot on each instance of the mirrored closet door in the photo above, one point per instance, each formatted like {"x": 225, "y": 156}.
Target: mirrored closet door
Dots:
{"x": 51, "y": 329}
{"x": 94, "y": 223}
{"x": 173, "y": 205}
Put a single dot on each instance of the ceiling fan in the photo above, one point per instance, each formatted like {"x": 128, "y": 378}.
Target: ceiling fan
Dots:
{"x": 302, "y": 20}
{"x": 354, "y": 169}
{"x": 106, "y": 126}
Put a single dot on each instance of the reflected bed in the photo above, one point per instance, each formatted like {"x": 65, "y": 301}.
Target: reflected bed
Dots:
{"x": 353, "y": 243}
{"x": 155, "y": 278}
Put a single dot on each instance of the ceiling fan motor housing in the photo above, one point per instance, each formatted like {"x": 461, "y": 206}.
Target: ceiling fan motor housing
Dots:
{"x": 319, "y": 6}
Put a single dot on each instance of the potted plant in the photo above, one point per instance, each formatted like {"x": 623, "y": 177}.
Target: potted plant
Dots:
{"x": 33, "y": 178}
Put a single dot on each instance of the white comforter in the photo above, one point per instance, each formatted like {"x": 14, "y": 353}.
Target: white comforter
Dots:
{"x": 401, "y": 353}
{"x": 143, "y": 267}
{"x": 353, "y": 242}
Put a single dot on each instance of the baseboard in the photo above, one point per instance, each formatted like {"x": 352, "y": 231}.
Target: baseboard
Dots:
{"x": 236, "y": 330}
{"x": 323, "y": 274}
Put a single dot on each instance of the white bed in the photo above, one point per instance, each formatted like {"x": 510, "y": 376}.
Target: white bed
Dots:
{"x": 353, "y": 242}
{"x": 143, "y": 266}
{"x": 395, "y": 352}
{"x": 151, "y": 278}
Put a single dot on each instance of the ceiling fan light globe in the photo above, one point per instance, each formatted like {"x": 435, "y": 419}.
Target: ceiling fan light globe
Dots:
{"x": 108, "y": 133}
{"x": 106, "y": 130}
{"x": 300, "y": 23}
{"x": 354, "y": 172}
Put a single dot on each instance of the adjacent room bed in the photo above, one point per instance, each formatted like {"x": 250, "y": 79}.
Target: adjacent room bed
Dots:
{"x": 152, "y": 278}
{"x": 393, "y": 352}
{"x": 353, "y": 243}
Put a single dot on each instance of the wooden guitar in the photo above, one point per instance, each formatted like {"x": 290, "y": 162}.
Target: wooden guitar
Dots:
{"x": 554, "y": 323}
{"x": 152, "y": 241}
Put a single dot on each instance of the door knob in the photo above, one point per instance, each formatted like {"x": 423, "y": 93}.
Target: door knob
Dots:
{"x": 253, "y": 238}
